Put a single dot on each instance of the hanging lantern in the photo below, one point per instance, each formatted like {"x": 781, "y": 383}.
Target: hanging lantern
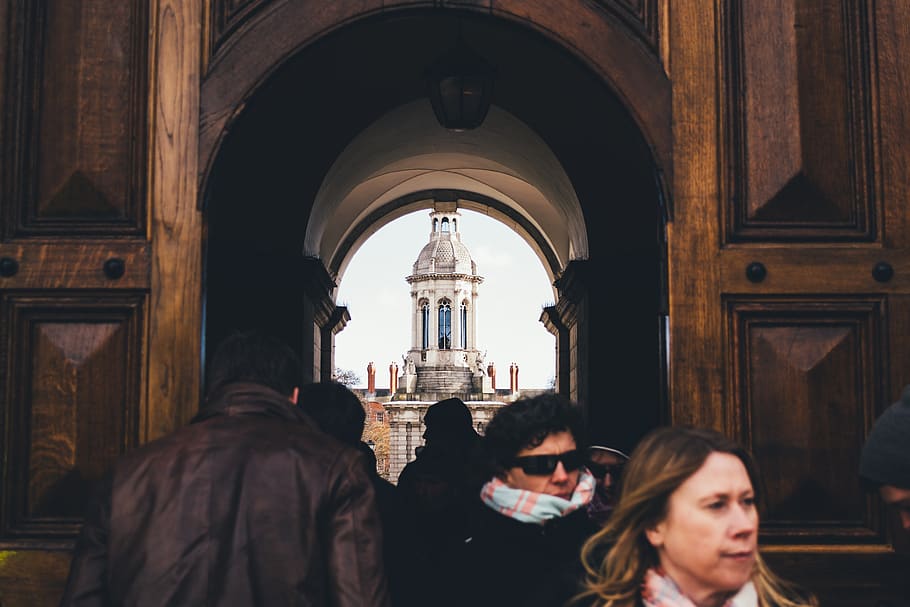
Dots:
{"x": 460, "y": 86}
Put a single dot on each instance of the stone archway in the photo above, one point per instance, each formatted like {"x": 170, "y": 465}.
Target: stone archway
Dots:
{"x": 624, "y": 52}
{"x": 270, "y": 193}
{"x": 502, "y": 168}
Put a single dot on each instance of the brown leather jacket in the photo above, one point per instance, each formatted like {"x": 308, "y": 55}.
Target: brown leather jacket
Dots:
{"x": 248, "y": 505}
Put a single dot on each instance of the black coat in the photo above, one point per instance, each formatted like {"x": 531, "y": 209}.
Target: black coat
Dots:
{"x": 248, "y": 505}
{"x": 508, "y": 562}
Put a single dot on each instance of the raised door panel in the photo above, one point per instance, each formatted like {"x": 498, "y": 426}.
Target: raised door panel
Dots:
{"x": 70, "y": 407}
{"x": 807, "y": 377}
{"x": 74, "y": 136}
{"x": 800, "y": 137}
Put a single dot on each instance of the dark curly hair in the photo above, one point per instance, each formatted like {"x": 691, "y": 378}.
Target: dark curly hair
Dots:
{"x": 526, "y": 423}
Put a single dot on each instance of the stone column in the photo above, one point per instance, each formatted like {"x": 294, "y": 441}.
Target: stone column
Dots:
{"x": 550, "y": 319}
{"x": 320, "y": 320}
{"x": 573, "y": 313}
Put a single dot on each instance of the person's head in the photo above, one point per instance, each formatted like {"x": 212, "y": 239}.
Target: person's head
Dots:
{"x": 257, "y": 358}
{"x": 369, "y": 456}
{"x": 885, "y": 460}
{"x": 606, "y": 464}
{"x": 335, "y": 409}
{"x": 688, "y": 507}
{"x": 449, "y": 422}
{"x": 537, "y": 444}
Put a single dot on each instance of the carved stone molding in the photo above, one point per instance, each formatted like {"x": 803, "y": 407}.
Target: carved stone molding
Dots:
{"x": 640, "y": 18}
{"x": 228, "y": 16}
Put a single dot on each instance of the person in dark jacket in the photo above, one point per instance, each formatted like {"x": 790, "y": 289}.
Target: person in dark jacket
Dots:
{"x": 439, "y": 488}
{"x": 525, "y": 548}
{"x": 250, "y": 504}
{"x": 339, "y": 412}
{"x": 885, "y": 461}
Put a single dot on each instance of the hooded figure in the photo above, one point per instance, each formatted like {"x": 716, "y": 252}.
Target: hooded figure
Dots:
{"x": 885, "y": 461}
{"x": 440, "y": 492}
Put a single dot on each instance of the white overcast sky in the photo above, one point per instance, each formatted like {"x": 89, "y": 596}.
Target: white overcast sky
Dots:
{"x": 514, "y": 290}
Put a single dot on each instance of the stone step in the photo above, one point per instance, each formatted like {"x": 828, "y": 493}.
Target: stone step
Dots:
{"x": 444, "y": 379}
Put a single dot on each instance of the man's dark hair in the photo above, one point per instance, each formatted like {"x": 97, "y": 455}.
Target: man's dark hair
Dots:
{"x": 335, "y": 409}
{"x": 257, "y": 358}
{"x": 527, "y": 422}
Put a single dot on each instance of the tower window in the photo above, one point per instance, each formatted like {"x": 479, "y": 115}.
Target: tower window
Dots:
{"x": 464, "y": 327}
{"x": 425, "y": 325}
{"x": 445, "y": 326}
{"x": 445, "y": 224}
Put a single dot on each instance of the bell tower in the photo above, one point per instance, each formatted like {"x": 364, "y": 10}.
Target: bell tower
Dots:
{"x": 443, "y": 356}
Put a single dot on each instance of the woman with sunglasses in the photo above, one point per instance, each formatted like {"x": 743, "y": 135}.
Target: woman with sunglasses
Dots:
{"x": 685, "y": 531}
{"x": 526, "y": 544}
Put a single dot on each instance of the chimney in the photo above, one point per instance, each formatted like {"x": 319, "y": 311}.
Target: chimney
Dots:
{"x": 371, "y": 378}
{"x": 515, "y": 389}
{"x": 393, "y": 377}
{"x": 491, "y": 372}
{"x": 512, "y": 377}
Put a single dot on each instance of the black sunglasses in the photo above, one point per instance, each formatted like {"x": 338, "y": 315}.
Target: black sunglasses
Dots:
{"x": 602, "y": 470}
{"x": 541, "y": 465}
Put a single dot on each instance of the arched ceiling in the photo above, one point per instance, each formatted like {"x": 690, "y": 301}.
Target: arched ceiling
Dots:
{"x": 406, "y": 151}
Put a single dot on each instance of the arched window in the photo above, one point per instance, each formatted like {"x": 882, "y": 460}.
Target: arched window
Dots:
{"x": 445, "y": 326}
{"x": 445, "y": 224}
{"x": 454, "y": 225}
{"x": 435, "y": 221}
{"x": 425, "y": 326}
{"x": 464, "y": 327}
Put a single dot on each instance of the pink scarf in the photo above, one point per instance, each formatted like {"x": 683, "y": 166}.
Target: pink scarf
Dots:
{"x": 531, "y": 507}
{"x": 658, "y": 590}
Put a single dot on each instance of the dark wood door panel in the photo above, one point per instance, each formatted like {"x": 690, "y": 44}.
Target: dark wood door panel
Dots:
{"x": 814, "y": 269}
{"x": 75, "y": 131}
{"x": 799, "y": 88}
{"x": 845, "y": 577}
{"x": 71, "y": 404}
{"x": 32, "y": 578}
{"x": 807, "y": 379}
{"x": 76, "y": 264}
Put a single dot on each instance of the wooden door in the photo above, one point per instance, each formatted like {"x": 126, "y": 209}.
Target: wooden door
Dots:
{"x": 99, "y": 260}
{"x": 789, "y": 263}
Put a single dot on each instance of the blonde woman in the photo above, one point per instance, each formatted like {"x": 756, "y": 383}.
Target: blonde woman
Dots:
{"x": 685, "y": 531}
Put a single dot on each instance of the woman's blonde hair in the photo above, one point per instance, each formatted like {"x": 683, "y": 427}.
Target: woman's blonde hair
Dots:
{"x": 617, "y": 557}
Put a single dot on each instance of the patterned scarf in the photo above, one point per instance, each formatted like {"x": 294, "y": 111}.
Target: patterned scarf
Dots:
{"x": 531, "y": 507}
{"x": 658, "y": 590}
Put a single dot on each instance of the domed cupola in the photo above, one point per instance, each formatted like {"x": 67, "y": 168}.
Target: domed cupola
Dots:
{"x": 444, "y": 254}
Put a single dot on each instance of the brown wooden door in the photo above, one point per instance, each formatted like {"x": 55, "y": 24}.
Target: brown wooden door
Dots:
{"x": 99, "y": 307}
{"x": 788, "y": 330}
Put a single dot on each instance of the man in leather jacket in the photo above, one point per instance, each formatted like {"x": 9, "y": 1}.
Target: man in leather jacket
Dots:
{"x": 248, "y": 505}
